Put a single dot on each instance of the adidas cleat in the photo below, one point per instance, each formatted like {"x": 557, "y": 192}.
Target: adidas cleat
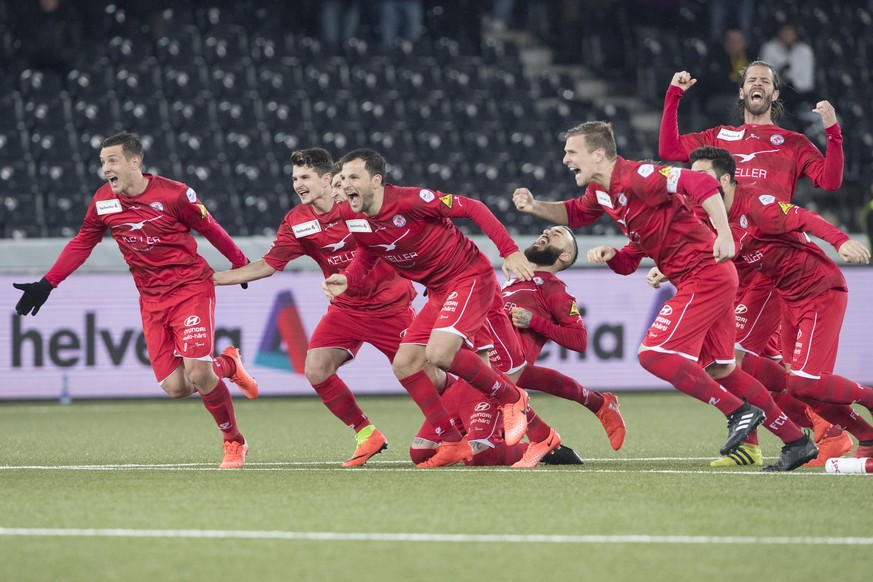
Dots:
{"x": 746, "y": 454}
{"x": 740, "y": 424}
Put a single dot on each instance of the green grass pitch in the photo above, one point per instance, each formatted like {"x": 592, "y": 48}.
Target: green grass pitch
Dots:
{"x": 129, "y": 491}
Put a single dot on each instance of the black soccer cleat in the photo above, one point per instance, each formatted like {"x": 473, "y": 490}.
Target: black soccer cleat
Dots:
{"x": 794, "y": 454}
{"x": 740, "y": 425}
{"x": 563, "y": 455}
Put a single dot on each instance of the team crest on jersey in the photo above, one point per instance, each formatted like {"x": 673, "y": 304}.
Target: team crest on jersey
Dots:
{"x": 646, "y": 170}
{"x": 786, "y": 208}
{"x": 538, "y": 280}
{"x": 744, "y": 222}
{"x": 398, "y": 221}
{"x": 157, "y": 206}
{"x": 573, "y": 309}
{"x": 426, "y": 195}
{"x": 192, "y": 196}
{"x": 777, "y": 139}
{"x": 730, "y": 135}
{"x": 107, "y": 207}
{"x": 767, "y": 199}
{"x": 622, "y": 199}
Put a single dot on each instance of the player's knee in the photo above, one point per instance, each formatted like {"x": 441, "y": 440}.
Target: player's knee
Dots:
{"x": 177, "y": 390}
{"x": 316, "y": 374}
{"x": 440, "y": 357}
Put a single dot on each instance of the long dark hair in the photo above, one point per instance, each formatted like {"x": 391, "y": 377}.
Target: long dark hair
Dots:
{"x": 777, "y": 108}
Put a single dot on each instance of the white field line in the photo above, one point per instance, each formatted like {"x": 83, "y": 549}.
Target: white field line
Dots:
{"x": 435, "y": 537}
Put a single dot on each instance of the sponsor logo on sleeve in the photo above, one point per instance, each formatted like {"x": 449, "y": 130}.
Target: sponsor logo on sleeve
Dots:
{"x": 447, "y": 200}
{"x": 786, "y": 208}
{"x": 603, "y": 198}
{"x": 673, "y": 179}
{"x": 192, "y": 196}
{"x": 767, "y": 199}
{"x": 730, "y": 135}
{"x": 306, "y": 228}
{"x": 426, "y": 195}
{"x": 358, "y": 225}
{"x": 108, "y": 207}
{"x": 645, "y": 170}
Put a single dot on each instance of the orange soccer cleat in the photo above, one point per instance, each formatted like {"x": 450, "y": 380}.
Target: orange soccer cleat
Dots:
{"x": 831, "y": 448}
{"x": 536, "y": 451}
{"x": 820, "y": 426}
{"x": 610, "y": 417}
{"x": 515, "y": 418}
{"x": 371, "y": 446}
{"x": 234, "y": 455}
{"x": 449, "y": 453}
{"x": 247, "y": 385}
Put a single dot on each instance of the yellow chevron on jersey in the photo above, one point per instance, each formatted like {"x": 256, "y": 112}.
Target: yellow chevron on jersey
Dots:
{"x": 203, "y": 211}
{"x": 665, "y": 171}
{"x": 786, "y": 208}
{"x": 573, "y": 309}
{"x": 447, "y": 199}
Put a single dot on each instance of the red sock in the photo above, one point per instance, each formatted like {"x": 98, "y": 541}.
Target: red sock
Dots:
{"x": 794, "y": 408}
{"x": 844, "y": 417}
{"x": 838, "y": 390}
{"x": 220, "y": 406}
{"x": 752, "y": 439}
{"x": 223, "y": 367}
{"x": 771, "y": 374}
{"x": 499, "y": 455}
{"x": 742, "y": 385}
{"x": 469, "y": 366}
{"x": 686, "y": 376}
{"x": 425, "y": 395}
{"x": 557, "y": 384}
{"x": 337, "y": 397}
{"x": 537, "y": 429}
{"x": 420, "y": 455}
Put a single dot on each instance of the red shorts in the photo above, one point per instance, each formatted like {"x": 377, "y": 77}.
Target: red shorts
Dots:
{"x": 179, "y": 325}
{"x": 348, "y": 329}
{"x": 460, "y": 310}
{"x": 476, "y": 413}
{"x": 811, "y": 332}
{"x": 697, "y": 322}
{"x": 758, "y": 315}
{"x": 506, "y": 353}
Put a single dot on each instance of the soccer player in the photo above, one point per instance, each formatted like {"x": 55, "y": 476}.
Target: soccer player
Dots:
{"x": 411, "y": 230}
{"x": 770, "y": 160}
{"x": 541, "y": 310}
{"x": 376, "y": 312}
{"x": 772, "y": 239}
{"x": 151, "y": 218}
{"x": 642, "y": 199}
{"x": 478, "y": 417}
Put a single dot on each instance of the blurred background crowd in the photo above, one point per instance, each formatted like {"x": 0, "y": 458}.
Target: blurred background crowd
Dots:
{"x": 466, "y": 96}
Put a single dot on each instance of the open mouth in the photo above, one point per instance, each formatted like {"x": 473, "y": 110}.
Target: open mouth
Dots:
{"x": 756, "y": 96}
{"x": 113, "y": 181}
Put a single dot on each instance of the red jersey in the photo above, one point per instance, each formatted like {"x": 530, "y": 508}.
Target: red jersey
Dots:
{"x": 770, "y": 159}
{"x": 325, "y": 238}
{"x": 554, "y": 314}
{"x": 642, "y": 199}
{"x": 770, "y": 236}
{"x": 413, "y": 232}
{"x": 153, "y": 232}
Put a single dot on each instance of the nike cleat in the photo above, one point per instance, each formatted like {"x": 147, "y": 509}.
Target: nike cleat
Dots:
{"x": 794, "y": 454}
{"x": 515, "y": 419}
{"x": 610, "y": 417}
{"x": 234, "y": 455}
{"x": 247, "y": 385}
{"x": 371, "y": 446}
{"x": 832, "y": 448}
{"x": 536, "y": 451}
{"x": 449, "y": 453}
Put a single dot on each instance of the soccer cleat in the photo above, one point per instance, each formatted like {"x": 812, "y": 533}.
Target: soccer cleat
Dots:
{"x": 740, "y": 424}
{"x": 515, "y": 419}
{"x": 449, "y": 453}
{"x": 563, "y": 455}
{"x": 536, "y": 451}
{"x": 234, "y": 455}
{"x": 820, "y": 426}
{"x": 746, "y": 454}
{"x": 794, "y": 454}
{"x": 831, "y": 448}
{"x": 247, "y": 385}
{"x": 863, "y": 451}
{"x": 372, "y": 445}
{"x": 610, "y": 417}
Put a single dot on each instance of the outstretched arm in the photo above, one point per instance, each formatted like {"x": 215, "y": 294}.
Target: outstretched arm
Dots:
{"x": 251, "y": 272}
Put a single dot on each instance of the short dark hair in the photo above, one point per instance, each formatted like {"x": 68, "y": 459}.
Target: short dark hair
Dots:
{"x": 574, "y": 254}
{"x": 723, "y": 161}
{"x": 130, "y": 144}
{"x": 777, "y": 109}
{"x": 336, "y": 169}
{"x": 317, "y": 158}
{"x": 374, "y": 163}
{"x": 598, "y": 134}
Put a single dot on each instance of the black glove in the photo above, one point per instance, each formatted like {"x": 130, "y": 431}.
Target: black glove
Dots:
{"x": 35, "y": 294}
